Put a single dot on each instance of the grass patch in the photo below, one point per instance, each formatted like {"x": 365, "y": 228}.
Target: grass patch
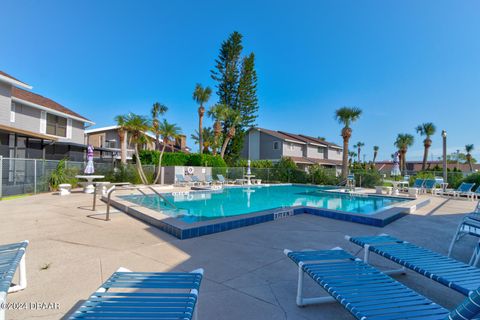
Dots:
{"x": 18, "y": 196}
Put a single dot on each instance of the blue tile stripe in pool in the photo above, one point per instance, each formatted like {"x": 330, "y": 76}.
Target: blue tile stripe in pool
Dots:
{"x": 243, "y": 222}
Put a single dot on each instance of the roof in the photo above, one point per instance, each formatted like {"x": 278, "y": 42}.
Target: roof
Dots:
{"x": 298, "y": 138}
{"x": 417, "y": 165}
{"x": 41, "y": 101}
{"x": 149, "y": 134}
{"x": 26, "y": 133}
{"x": 14, "y": 81}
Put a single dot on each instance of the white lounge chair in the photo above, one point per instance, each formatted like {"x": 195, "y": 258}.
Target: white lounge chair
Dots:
{"x": 12, "y": 257}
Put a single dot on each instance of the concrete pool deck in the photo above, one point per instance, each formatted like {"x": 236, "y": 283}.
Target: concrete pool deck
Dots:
{"x": 246, "y": 274}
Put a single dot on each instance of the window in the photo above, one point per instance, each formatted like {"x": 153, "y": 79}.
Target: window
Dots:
{"x": 12, "y": 113}
{"x": 276, "y": 145}
{"x": 290, "y": 146}
{"x": 110, "y": 144}
{"x": 320, "y": 149}
{"x": 56, "y": 125}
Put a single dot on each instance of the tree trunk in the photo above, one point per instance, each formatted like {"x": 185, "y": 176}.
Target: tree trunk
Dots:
{"x": 139, "y": 166}
{"x": 426, "y": 144}
{"x": 123, "y": 150}
{"x": 469, "y": 160}
{"x": 201, "y": 111}
{"x": 375, "y": 157}
{"x": 359, "y": 158}
{"x": 217, "y": 127}
{"x": 230, "y": 135}
{"x": 159, "y": 170}
{"x": 404, "y": 161}
{"x": 346, "y": 133}
{"x": 157, "y": 142}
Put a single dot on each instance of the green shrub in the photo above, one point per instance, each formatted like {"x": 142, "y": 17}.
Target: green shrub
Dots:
{"x": 254, "y": 163}
{"x": 205, "y": 160}
{"x": 62, "y": 175}
{"x": 283, "y": 169}
{"x": 323, "y": 176}
{"x": 181, "y": 159}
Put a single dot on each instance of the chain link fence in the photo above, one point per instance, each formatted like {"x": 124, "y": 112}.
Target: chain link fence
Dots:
{"x": 31, "y": 176}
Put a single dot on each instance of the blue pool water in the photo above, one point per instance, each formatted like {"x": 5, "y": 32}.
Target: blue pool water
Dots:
{"x": 199, "y": 206}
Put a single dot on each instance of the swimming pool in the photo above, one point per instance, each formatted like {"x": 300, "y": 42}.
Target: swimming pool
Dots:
{"x": 235, "y": 201}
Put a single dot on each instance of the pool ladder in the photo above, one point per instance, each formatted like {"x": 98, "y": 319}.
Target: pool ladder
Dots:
{"x": 129, "y": 187}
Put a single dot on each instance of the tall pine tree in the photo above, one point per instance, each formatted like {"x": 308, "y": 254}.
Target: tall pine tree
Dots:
{"x": 237, "y": 89}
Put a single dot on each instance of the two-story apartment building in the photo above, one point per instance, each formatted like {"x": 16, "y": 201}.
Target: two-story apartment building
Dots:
{"x": 264, "y": 144}
{"x": 108, "y": 138}
{"x": 33, "y": 126}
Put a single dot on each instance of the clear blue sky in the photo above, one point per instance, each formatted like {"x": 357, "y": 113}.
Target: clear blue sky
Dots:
{"x": 402, "y": 62}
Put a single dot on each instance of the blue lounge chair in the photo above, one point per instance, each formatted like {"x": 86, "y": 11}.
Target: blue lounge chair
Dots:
{"x": 181, "y": 181}
{"x": 470, "y": 225}
{"x": 368, "y": 293}
{"x": 464, "y": 189}
{"x": 418, "y": 184}
{"x": 454, "y": 274}
{"x": 155, "y": 295}
{"x": 196, "y": 180}
{"x": 430, "y": 185}
{"x": 12, "y": 257}
{"x": 222, "y": 179}
{"x": 476, "y": 194}
{"x": 208, "y": 179}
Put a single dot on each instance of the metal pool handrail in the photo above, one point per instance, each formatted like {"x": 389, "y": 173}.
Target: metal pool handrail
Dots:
{"x": 130, "y": 187}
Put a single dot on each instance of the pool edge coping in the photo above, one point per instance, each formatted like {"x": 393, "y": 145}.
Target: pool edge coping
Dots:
{"x": 184, "y": 230}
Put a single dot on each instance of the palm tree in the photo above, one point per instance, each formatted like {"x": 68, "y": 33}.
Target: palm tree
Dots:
{"x": 136, "y": 125}
{"x": 352, "y": 155}
{"x": 207, "y": 139}
{"x": 217, "y": 113}
{"x": 375, "y": 153}
{"x": 426, "y": 129}
{"x": 120, "y": 120}
{"x": 469, "y": 148}
{"x": 158, "y": 109}
{"x": 346, "y": 116}
{"x": 359, "y": 147}
{"x": 167, "y": 131}
{"x": 403, "y": 142}
{"x": 201, "y": 96}
{"x": 233, "y": 117}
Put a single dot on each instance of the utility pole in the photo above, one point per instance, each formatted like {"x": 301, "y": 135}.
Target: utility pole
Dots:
{"x": 444, "y": 136}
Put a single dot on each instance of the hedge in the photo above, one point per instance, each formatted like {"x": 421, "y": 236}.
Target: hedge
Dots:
{"x": 181, "y": 159}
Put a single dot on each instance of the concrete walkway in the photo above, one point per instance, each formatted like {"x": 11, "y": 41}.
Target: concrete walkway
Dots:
{"x": 246, "y": 274}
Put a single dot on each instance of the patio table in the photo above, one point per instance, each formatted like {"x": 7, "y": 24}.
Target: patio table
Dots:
{"x": 89, "y": 187}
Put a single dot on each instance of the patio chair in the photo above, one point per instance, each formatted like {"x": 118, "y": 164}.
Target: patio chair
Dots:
{"x": 208, "y": 179}
{"x": 181, "y": 181}
{"x": 12, "y": 257}
{"x": 418, "y": 183}
{"x": 430, "y": 185}
{"x": 368, "y": 293}
{"x": 222, "y": 179}
{"x": 464, "y": 189}
{"x": 470, "y": 225}
{"x": 476, "y": 193}
{"x": 156, "y": 295}
{"x": 454, "y": 274}
{"x": 196, "y": 180}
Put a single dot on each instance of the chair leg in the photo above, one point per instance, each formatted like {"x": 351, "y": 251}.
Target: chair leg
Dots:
{"x": 22, "y": 276}
{"x": 455, "y": 239}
